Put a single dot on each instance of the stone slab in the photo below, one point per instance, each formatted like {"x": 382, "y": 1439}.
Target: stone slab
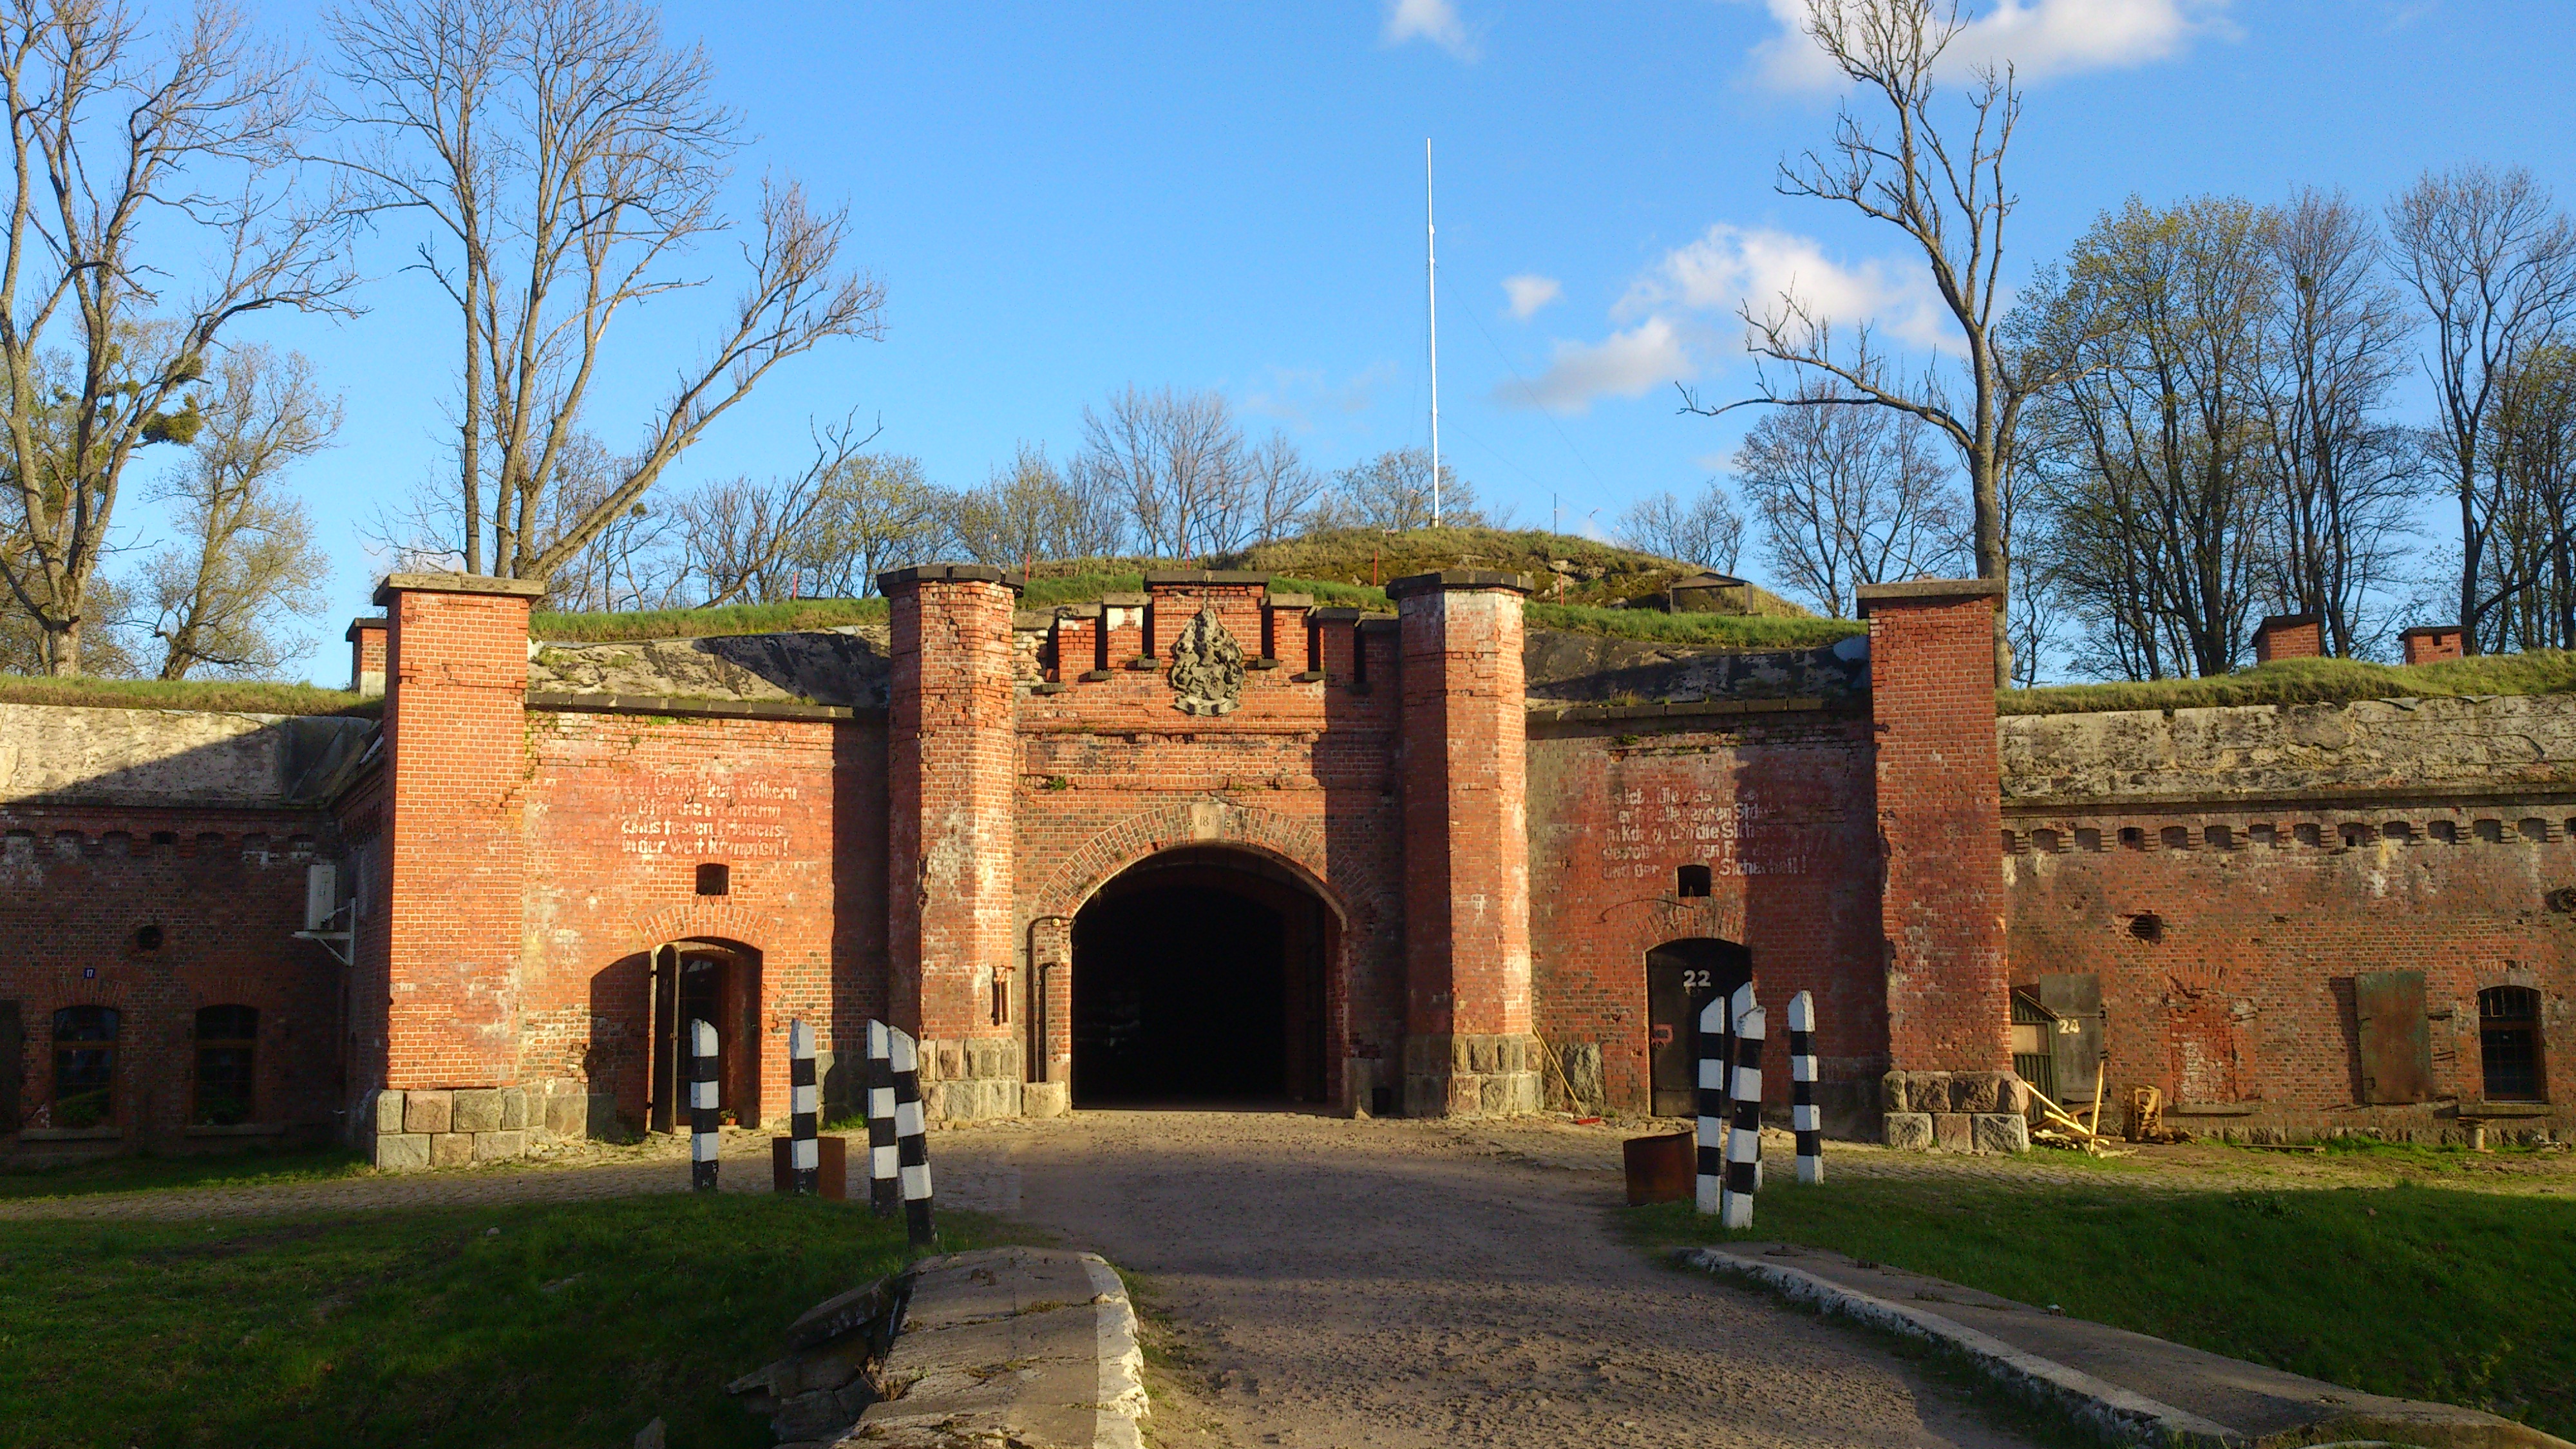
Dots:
{"x": 1999, "y": 1132}
{"x": 1951, "y": 1132}
{"x": 2129, "y": 1384}
{"x": 427, "y": 1111}
{"x": 1909, "y": 1131}
{"x": 478, "y": 1109}
{"x": 402, "y": 1151}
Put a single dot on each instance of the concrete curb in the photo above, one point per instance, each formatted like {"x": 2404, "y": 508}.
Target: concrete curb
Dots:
{"x": 1032, "y": 1347}
{"x": 2106, "y": 1407}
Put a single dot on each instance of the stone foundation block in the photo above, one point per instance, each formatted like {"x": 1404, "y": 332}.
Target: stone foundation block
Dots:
{"x": 1952, "y": 1133}
{"x": 429, "y": 1111}
{"x": 499, "y": 1146}
{"x": 451, "y": 1149}
{"x": 514, "y": 1110}
{"x": 387, "y": 1110}
{"x": 1469, "y": 1075}
{"x": 401, "y": 1152}
{"x": 1909, "y": 1131}
{"x": 478, "y": 1109}
{"x": 1999, "y": 1132}
{"x": 1588, "y": 1090}
{"x": 1046, "y": 1099}
{"x": 567, "y": 1116}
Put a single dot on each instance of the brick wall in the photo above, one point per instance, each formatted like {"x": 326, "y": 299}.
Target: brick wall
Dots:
{"x": 1778, "y": 805}
{"x": 224, "y": 890}
{"x": 1932, "y": 708}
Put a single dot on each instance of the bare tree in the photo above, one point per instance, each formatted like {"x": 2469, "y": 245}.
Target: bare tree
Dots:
{"x": 245, "y": 565}
{"x": 2527, "y": 492}
{"x": 1279, "y": 489}
{"x": 2153, "y": 443}
{"x": 1178, "y": 459}
{"x": 877, "y": 513}
{"x": 1393, "y": 491}
{"x": 2495, "y": 265}
{"x": 1947, "y": 195}
{"x": 632, "y": 562}
{"x": 741, "y": 540}
{"x": 1706, "y": 531}
{"x": 1031, "y": 511}
{"x": 2346, "y": 477}
{"x": 128, "y": 149}
{"x": 573, "y": 156}
{"x": 1847, "y": 495}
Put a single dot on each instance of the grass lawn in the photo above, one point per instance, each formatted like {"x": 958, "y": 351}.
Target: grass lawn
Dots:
{"x": 130, "y": 1172}
{"x": 574, "y": 1324}
{"x": 219, "y": 695}
{"x": 2424, "y": 1292}
{"x": 2310, "y": 681}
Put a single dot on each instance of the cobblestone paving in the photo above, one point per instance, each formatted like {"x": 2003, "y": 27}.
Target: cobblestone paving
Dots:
{"x": 971, "y": 1178}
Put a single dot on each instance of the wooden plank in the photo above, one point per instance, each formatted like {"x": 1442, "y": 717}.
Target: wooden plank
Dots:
{"x": 2396, "y": 1038}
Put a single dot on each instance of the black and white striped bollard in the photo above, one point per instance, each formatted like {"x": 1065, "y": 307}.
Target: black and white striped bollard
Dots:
{"x": 1713, "y": 1039}
{"x": 803, "y": 1155}
{"x": 884, "y": 1192}
{"x": 1744, "y": 1144}
{"x": 704, "y": 1134}
{"x": 1802, "y": 1088}
{"x": 912, "y": 1147}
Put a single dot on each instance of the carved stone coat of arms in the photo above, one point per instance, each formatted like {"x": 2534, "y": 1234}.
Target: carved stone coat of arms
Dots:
{"x": 1207, "y": 667}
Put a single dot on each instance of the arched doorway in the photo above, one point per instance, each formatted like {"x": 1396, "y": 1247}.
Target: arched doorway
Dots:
{"x": 1682, "y": 977}
{"x": 717, "y": 982}
{"x": 1198, "y": 977}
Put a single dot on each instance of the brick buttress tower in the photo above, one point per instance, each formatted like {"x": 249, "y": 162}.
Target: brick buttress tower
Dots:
{"x": 1467, "y": 1045}
{"x": 436, "y": 1017}
{"x": 1942, "y": 904}
{"x": 952, "y": 753}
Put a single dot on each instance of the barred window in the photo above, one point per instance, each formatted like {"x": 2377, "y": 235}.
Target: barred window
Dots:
{"x": 85, "y": 1065}
{"x": 2509, "y": 1043}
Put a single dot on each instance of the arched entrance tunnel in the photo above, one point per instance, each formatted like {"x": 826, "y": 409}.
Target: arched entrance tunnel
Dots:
{"x": 1198, "y": 977}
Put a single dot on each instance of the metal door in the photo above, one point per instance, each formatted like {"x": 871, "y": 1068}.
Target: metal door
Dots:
{"x": 1682, "y": 977}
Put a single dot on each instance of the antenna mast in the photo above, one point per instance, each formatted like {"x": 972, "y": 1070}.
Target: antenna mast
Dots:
{"x": 1431, "y": 298}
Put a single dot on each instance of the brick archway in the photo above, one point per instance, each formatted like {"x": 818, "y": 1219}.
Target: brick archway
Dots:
{"x": 1291, "y": 842}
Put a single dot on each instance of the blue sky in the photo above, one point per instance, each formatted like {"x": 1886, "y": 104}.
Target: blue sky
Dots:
{"x": 1065, "y": 199}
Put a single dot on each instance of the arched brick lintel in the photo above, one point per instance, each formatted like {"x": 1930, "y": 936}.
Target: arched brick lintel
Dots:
{"x": 721, "y": 925}
{"x": 1294, "y": 843}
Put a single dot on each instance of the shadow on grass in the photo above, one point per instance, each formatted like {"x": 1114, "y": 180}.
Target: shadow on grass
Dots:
{"x": 553, "y": 1324}
{"x": 138, "y": 1172}
{"x": 2421, "y": 1292}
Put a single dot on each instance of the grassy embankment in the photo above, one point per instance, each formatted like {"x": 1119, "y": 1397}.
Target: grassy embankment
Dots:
{"x": 572, "y": 1324}
{"x": 2423, "y": 1292}
{"x": 2311, "y": 681}
{"x": 221, "y": 696}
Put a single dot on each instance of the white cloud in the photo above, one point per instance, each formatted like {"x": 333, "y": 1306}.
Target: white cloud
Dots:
{"x": 1529, "y": 292}
{"x": 2038, "y": 37}
{"x": 1432, "y": 20}
{"x": 1624, "y": 364}
{"x": 1735, "y": 267}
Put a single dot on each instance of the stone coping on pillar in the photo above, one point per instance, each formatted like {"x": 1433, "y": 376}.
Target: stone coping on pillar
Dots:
{"x": 1278, "y": 600}
{"x": 456, "y": 584}
{"x": 1928, "y": 591}
{"x": 1344, "y": 615}
{"x": 378, "y": 622}
{"x": 1170, "y": 577}
{"x": 1445, "y": 580}
{"x": 951, "y": 573}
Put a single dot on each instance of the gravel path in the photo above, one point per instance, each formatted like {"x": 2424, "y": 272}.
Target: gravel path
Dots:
{"x": 1331, "y": 1283}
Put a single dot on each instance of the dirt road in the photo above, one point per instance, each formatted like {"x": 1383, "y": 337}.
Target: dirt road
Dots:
{"x": 1333, "y": 1283}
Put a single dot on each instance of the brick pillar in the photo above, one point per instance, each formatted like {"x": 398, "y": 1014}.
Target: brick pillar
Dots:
{"x": 367, "y": 657}
{"x": 952, "y": 755}
{"x": 441, "y": 1010}
{"x": 1467, "y": 1047}
{"x": 2431, "y": 643}
{"x": 1949, "y": 1010}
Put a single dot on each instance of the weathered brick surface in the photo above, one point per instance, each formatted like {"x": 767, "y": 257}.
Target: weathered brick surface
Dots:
{"x": 1777, "y": 806}
{"x": 1941, "y": 907}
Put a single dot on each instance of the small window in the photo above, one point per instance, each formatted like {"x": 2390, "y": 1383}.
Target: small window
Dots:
{"x": 227, "y": 1044}
{"x": 715, "y": 880}
{"x": 2535, "y": 830}
{"x": 2307, "y": 834}
{"x": 2218, "y": 837}
{"x": 165, "y": 837}
{"x": 2176, "y": 837}
{"x": 2352, "y": 835}
{"x": 2509, "y": 1043}
{"x": 2445, "y": 831}
{"x": 2147, "y": 926}
{"x": 2397, "y": 830}
{"x": 1691, "y": 882}
{"x": 2087, "y": 838}
{"x": 2046, "y": 842}
{"x": 2132, "y": 838}
{"x": 2264, "y": 835}
{"x": 2015, "y": 842}
{"x": 2491, "y": 831}
{"x": 85, "y": 1066}
{"x": 148, "y": 938}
